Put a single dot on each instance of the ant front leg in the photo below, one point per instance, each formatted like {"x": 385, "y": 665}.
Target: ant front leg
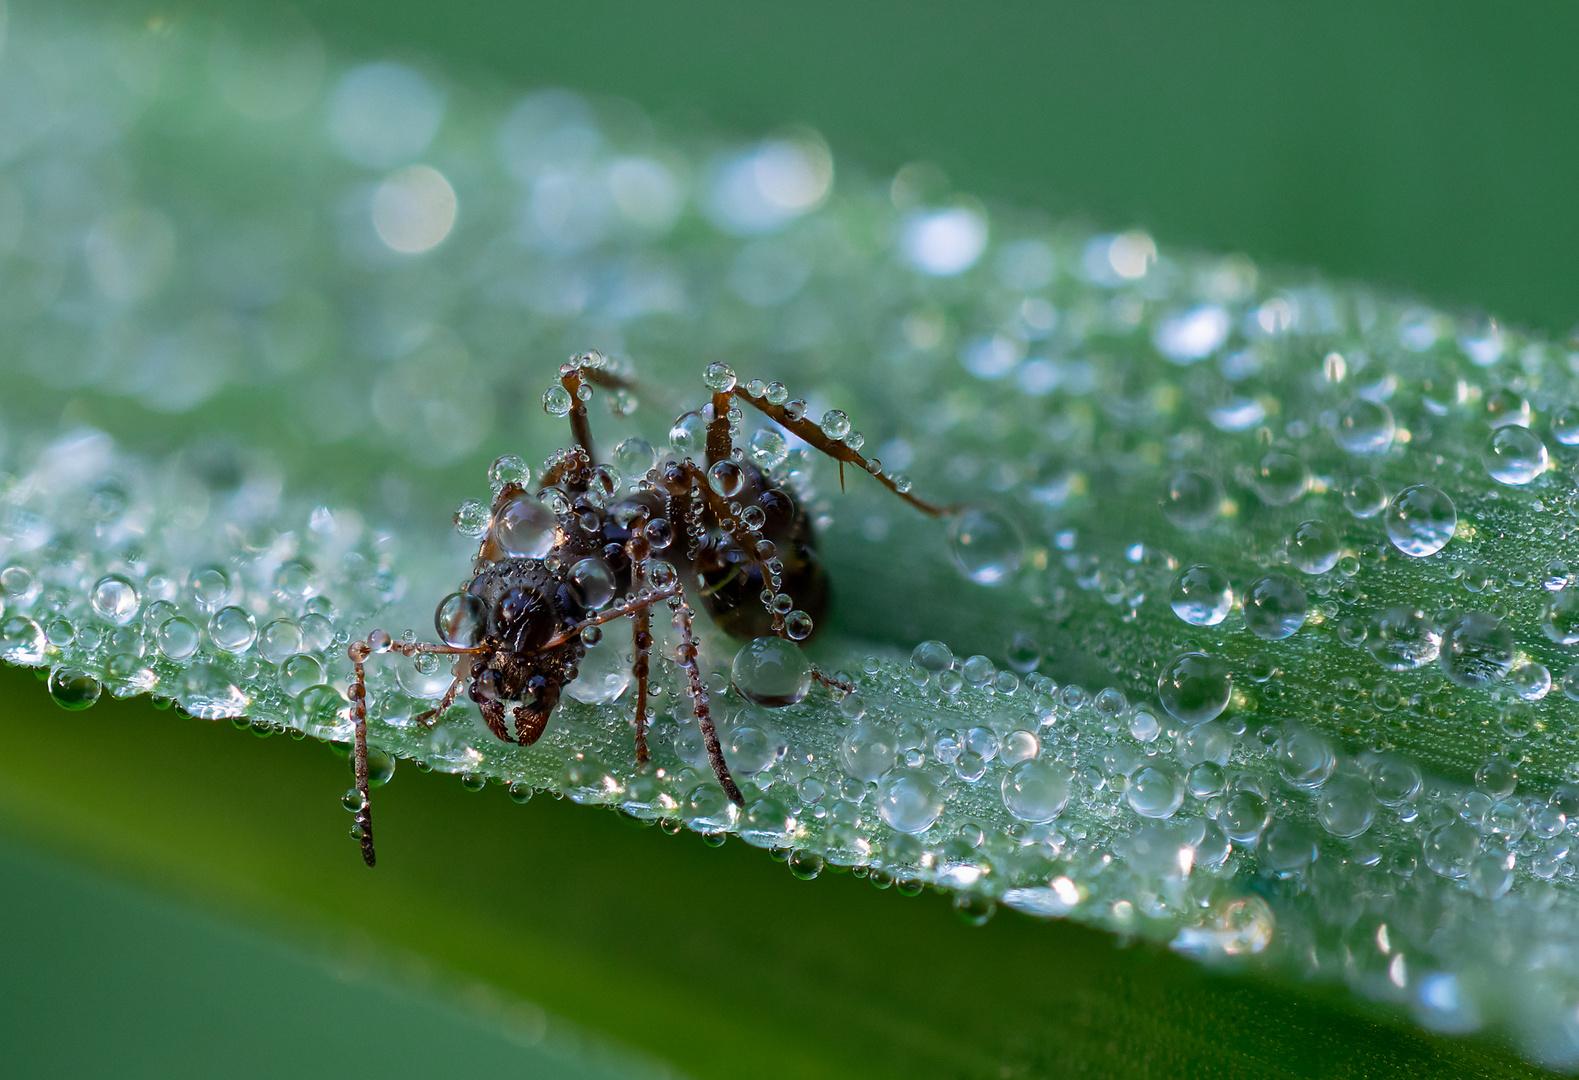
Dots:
{"x": 813, "y": 435}
{"x": 637, "y": 548}
{"x": 359, "y": 652}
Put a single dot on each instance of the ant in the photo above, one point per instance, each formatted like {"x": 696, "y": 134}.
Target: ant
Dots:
{"x": 555, "y": 565}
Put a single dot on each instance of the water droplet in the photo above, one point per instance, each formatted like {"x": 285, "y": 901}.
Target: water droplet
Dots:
{"x": 279, "y": 639}
{"x": 1530, "y": 680}
{"x": 798, "y": 625}
{"x": 1281, "y": 478}
{"x": 986, "y": 546}
{"x": 1560, "y": 617}
{"x": 768, "y": 449}
{"x": 1365, "y": 497}
{"x": 1201, "y": 595}
{"x": 1313, "y": 547}
{"x": 1477, "y": 648}
{"x": 601, "y": 677}
{"x": 868, "y": 749}
{"x": 210, "y": 587}
{"x": 1305, "y": 758}
{"x": 592, "y": 582}
{"x": 1155, "y": 792}
{"x": 1364, "y": 427}
{"x": 233, "y": 629}
{"x": 1421, "y": 520}
{"x": 1037, "y": 791}
{"x": 1514, "y": 455}
{"x": 1449, "y": 848}
{"x": 115, "y": 599}
{"x": 471, "y": 519}
{"x": 771, "y": 671}
{"x": 557, "y": 401}
{"x": 208, "y": 693}
{"x": 931, "y": 657}
{"x": 1404, "y": 639}
{"x": 908, "y": 800}
{"x": 177, "y": 638}
{"x": 708, "y": 810}
{"x": 506, "y": 470}
{"x": 1194, "y": 687}
{"x": 1244, "y": 815}
{"x": 461, "y": 620}
{"x": 1193, "y": 500}
{"x": 73, "y": 688}
{"x": 21, "y": 641}
{"x": 726, "y": 478}
{"x": 1395, "y": 780}
{"x": 524, "y": 528}
{"x": 688, "y": 434}
{"x": 1497, "y": 777}
{"x": 719, "y": 377}
{"x": 1565, "y": 426}
{"x": 1274, "y": 607}
{"x": 635, "y": 457}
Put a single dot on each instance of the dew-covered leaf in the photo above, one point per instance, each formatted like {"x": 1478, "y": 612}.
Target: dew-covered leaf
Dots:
{"x": 1251, "y": 633}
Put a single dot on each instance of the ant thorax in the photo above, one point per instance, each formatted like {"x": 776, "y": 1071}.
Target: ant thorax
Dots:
{"x": 591, "y": 544}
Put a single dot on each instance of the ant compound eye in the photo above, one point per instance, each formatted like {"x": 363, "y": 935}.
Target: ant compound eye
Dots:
{"x": 460, "y": 620}
{"x": 524, "y": 528}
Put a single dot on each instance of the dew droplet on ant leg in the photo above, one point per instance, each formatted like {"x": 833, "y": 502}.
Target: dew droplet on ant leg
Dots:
{"x": 557, "y": 563}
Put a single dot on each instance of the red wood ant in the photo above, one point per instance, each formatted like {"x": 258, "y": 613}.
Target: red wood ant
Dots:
{"x": 554, "y": 564}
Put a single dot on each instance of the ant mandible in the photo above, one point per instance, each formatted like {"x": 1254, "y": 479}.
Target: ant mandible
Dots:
{"x": 553, "y": 565}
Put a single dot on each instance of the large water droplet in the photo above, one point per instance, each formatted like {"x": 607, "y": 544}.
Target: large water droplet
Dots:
{"x": 461, "y": 620}
{"x": 1560, "y": 616}
{"x": 73, "y": 688}
{"x": 771, "y": 671}
{"x": 1478, "y": 648}
{"x": 601, "y": 677}
{"x": 868, "y": 749}
{"x": 1244, "y": 815}
{"x": 1345, "y": 807}
{"x": 1305, "y": 758}
{"x": 1313, "y": 547}
{"x": 1364, "y": 427}
{"x": 592, "y": 582}
{"x": 1365, "y": 497}
{"x": 115, "y": 599}
{"x": 909, "y": 801}
{"x": 635, "y": 457}
{"x": 1194, "y": 687}
{"x": 1404, "y": 638}
{"x": 1281, "y": 478}
{"x": 1201, "y": 595}
{"x": 233, "y": 629}
{"x": 1275, "y": 607}
{"x": 1155, "y": 792}
{"x": 1565, "y": 426}
{"x": 524, "y": 528}
{"x": 1514, "y": 455}
{"x": 178, "y": 638}
{"x": 986, "y": 546}
{"x": 1037, "y": 790}
{"x": 1193, "y": 499}
{"x": 21, "y": 640}
{"x": 1421, "y": 520}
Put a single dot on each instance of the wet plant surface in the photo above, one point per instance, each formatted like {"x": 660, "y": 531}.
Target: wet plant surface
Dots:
{"x": 1252, "y": 637}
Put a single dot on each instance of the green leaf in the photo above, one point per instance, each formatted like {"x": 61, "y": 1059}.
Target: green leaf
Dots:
{"x": 246, "y": 403}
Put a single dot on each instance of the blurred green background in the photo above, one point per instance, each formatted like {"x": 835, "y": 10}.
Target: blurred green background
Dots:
{"x": 1425, "y": 148}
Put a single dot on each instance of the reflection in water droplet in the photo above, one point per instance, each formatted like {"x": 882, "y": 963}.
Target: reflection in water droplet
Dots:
{"x": 1514, "y": 455}
{"x": 233, "y": 629}
{"x": 73, "y": 688}
{"x": 1274, "y": 607}
{"x": 909, "y": 800}
{"x": 178, "y": 638}
{"x": 1364, "y": 427}
{"x": 115, "y": 599}
{"x": 1201, "y": 595}
{"x": 1037, "y": 791}
{"x": 1478, "y": 648}
{"x": 1313, "y": 547}
{"x": 1155, "y": 792}
{"x": 771, "y": 671}
{"x": 1365, "y": 497}
{"x": 986, "y": 546}
{"x": 1403, "y": 639}
{"x": 1193, "y": 500}
{"x": 1421, "y": 520}
{"x": 1194, "y": 687}
{"x": 1281, "y": 478}
{"x": 524, "y": 528}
